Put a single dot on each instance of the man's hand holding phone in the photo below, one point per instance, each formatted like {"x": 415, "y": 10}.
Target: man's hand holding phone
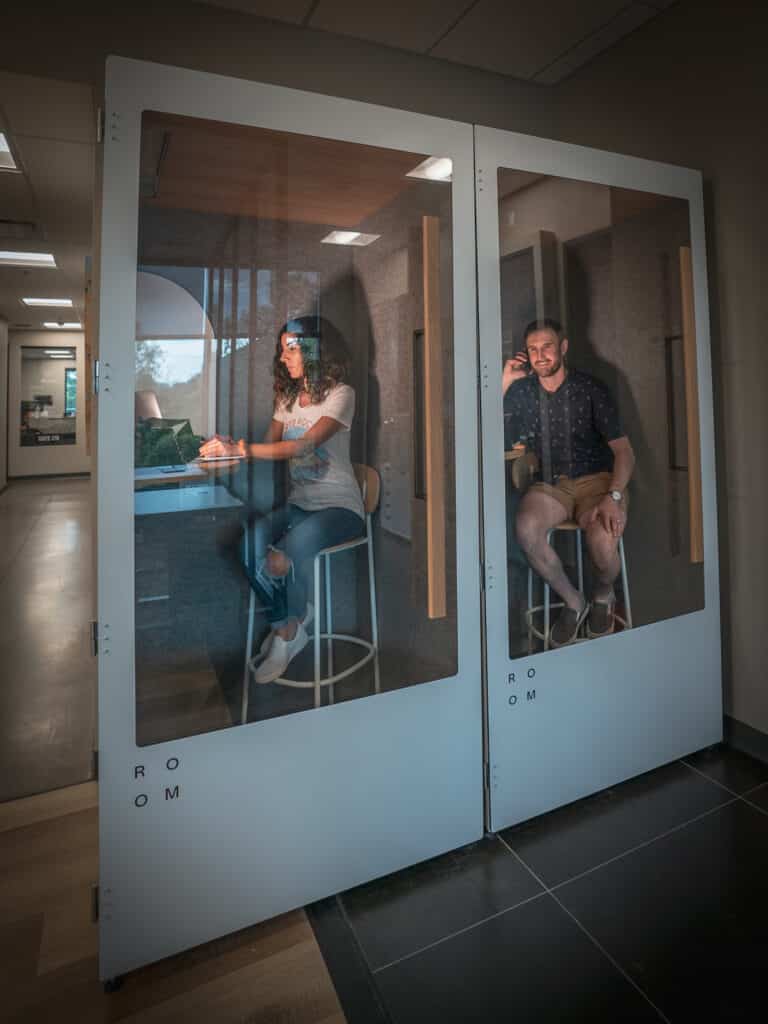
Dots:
{"x": 515, "y": 369}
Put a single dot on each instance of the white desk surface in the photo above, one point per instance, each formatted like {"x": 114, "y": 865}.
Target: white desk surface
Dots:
{"x": 184, "y": 499}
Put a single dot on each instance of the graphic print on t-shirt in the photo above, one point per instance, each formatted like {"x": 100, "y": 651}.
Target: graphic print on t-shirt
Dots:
{"x": 312, "y": 465}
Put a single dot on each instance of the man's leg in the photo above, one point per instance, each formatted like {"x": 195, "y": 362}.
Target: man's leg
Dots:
{"x": 538, "y": 513}
{"x": 604, "y": 551}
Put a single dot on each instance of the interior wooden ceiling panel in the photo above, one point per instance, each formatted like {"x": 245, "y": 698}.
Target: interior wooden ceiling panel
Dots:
{"x": 230, "y": 169}
{"x": 405, "y": 24}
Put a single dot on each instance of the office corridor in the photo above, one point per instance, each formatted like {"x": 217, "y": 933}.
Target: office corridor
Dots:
{"x": 47, "y": 696}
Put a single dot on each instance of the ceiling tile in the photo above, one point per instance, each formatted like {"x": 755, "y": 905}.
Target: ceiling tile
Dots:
{"x": 625, "y": 22}
{"x": 407, "y": 24}
{"x": 523, "y": 38}
{"x": 47, "y": 107}
{"x": 61, "y": 176}
{"x": 294, "y": 11}
{"x": 16, "y": 200}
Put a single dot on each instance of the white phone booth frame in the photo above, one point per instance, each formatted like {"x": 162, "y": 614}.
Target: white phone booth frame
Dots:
{"x": 275, "y": 814}
{"x": 572, "y": 721}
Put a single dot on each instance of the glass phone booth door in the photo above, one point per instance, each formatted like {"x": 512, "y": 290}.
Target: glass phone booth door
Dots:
{"x": 598, "y": 470}
{"x": 290, "y": 699}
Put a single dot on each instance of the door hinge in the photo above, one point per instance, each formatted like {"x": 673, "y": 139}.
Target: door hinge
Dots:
{"x": 94, "y": 764}
{"x": 94, "y": 638}
{"x": 94, "y": 903}
{"x": 96, "y": 375}
{"x": 100, "y": 121}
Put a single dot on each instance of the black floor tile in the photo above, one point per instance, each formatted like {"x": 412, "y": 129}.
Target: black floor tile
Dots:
{"x": 731, "y": 768}
{"x": 352, "y": 980}
{"x": 532, "y": 964}
{"x": 399, "y": 914}
{"x": 759, "y": 797}
{"x": 687, "y": 916}
{"x": 564, "y": 843}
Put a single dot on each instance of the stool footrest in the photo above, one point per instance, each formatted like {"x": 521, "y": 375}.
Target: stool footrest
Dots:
{"x": 309, "y": 684}
{"x": 530, "y": 612}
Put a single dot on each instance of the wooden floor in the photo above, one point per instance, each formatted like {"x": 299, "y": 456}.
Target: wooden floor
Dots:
{"x": 272, "y": 973}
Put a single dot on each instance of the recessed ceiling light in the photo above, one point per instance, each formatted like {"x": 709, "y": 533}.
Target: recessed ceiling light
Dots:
{"x": 26, "y": 259}
{"x": 7, "y": 163}
{"x": 76, "y": 326}
{"x": 349, "y": 238}
{"x": 434, "y": 168}
{"x": 47, "y": 302}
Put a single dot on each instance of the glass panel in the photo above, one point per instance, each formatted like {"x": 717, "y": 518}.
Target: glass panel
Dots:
{"x": 600, "y": 411}
{"x": 48, "y": 388}
{"x": 294, "y": 353}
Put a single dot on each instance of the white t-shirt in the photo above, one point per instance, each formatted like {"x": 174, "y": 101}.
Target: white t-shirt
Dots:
{"x": 323, "y": 477}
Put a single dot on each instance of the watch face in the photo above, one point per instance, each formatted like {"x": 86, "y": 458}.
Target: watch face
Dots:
{"x": 616, "y": 495}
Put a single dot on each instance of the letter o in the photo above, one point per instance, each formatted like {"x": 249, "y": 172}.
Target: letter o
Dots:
{"x": 141, "y": 800}
{"x": 172, "y": 764}
{"x": 513, "y": 699}
{"x": 531, "y": 673}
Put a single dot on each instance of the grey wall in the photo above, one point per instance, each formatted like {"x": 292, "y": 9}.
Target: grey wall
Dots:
{"x": 3, "y": 404}
{"x": 686, "y": 88}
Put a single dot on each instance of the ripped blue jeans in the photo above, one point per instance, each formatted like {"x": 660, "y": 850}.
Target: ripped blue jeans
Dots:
{"x": 299, "y": 535}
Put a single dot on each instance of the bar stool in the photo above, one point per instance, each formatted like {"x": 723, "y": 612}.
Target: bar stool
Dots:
{"x": 569, "y": 526}
{"x": 370, "y": 488}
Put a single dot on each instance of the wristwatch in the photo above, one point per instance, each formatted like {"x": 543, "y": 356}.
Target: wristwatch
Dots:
{"x": 616, "y": 495}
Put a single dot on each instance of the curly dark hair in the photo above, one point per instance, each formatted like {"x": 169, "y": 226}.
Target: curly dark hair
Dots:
{"x": 326, "y": 360}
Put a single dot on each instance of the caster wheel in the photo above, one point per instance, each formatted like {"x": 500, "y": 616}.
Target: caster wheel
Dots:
{"x": 112, "y": 985}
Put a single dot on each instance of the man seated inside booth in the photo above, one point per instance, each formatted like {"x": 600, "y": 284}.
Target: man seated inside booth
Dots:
{"x": 570, "y": 422}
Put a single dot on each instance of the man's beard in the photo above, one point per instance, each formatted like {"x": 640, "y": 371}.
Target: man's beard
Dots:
{"x": 550, "y": 371}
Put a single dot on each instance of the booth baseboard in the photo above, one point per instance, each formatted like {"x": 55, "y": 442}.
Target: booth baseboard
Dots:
{"x": 743, "y": 737}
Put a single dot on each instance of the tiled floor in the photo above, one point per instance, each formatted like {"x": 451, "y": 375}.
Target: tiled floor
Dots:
{"x": 647, "y": 902}
{"x": 48, "y": 692}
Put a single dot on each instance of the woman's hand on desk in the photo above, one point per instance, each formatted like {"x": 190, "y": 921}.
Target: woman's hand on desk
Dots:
{"x": 218, "y": 447}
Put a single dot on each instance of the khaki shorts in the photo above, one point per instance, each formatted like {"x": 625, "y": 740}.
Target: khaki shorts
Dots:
{"x": 579, "y": 494}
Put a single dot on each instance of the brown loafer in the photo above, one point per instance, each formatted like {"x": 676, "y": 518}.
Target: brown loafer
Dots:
{"x": 601, "y": 619}
{"x": 567, "y": 626}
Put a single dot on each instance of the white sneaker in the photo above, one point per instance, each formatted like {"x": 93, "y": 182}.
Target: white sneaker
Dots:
{"x": 266, "y": 643}
{"x": 281, "y": 653}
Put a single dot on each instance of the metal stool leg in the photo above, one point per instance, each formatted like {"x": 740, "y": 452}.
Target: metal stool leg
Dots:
{"x": 530, "y": 610}
{"x": 248, "y": 651}
{"x": 329, "y": 623}
{"x": 374, "y": 612}
{"x": 546, "y": 602}
{"x": 625, "y": 585}
{"x": 318, "y": 617}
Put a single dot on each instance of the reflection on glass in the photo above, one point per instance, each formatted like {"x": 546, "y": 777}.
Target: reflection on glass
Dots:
{"x": 284, "y": 409}
{"x": 600, "y": 496}
{"x": 48, "y": 413}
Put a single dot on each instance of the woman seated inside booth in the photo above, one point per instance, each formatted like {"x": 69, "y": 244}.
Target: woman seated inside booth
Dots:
{"x": 314, "y": 407}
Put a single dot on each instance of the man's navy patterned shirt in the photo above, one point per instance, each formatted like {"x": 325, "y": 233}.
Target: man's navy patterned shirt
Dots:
{"x": 568, "y": 429}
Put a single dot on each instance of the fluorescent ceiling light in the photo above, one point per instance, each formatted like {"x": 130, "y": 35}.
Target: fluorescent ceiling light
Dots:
{"x": 7, "y": 163}
{"x": 47, "y": 302}
{"x": 434, "y": 168}
{"x": 349, "y": 238}
{"x": 63, "y": 327}
{"x": 58, "y": 351}
{"x": 62, "y": 355}
{"x": 26, "y": 259}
